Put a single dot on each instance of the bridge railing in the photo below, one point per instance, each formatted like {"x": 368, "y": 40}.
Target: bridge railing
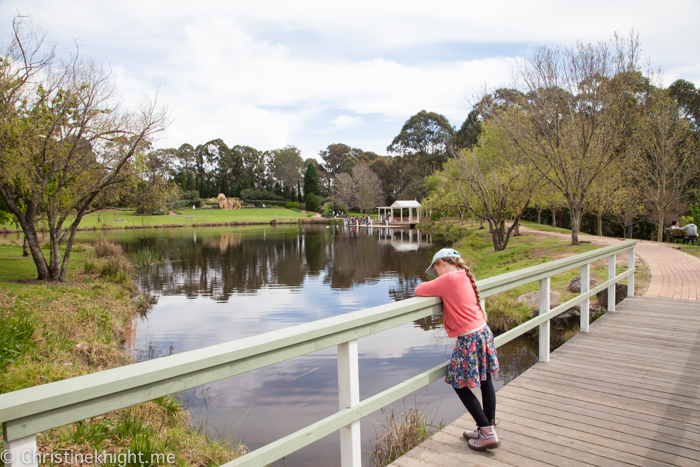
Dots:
{"x": 30, "y": 411}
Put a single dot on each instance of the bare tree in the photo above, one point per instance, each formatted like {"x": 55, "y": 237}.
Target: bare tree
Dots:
{"x": 63, "y": 140}
{"x": 368, "y": 189}
{"x": 571, "y": 116}
{"x": 344, "y": 190}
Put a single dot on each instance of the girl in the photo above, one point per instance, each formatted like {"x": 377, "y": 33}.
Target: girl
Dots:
{"x": 474, "y": 357}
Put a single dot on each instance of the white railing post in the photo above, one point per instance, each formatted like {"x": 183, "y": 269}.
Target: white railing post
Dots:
{"x": 349, "y": 396}
{"x": 630, "y": 279}
{"x": 611, "y": 289}
{"x": 585, "y": 287}
{"x": 20, "y": 452}
{"x": 544, "y": 327}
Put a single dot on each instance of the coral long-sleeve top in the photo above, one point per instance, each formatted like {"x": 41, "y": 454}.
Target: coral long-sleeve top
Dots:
{"x": 461, "y": 311}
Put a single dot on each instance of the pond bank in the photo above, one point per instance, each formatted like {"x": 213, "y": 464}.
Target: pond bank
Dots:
{"x": 55, "y": 331}
{"x": 271, "y": 221}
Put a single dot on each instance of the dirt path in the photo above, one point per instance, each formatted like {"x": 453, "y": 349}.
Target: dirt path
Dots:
{"x": 674, "y": 274}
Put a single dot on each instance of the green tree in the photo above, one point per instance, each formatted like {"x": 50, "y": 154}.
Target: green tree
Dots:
{"x": 63, "y": 140}
{"x": 468, "y": 135}
{"x": 425, "y": 139}
{"x": 493, "y": 181}
{"x": 149, "y": 189}
{"x": 311, "y": 203}
{"x": 665, "y": 156}
{"x": 311, "y": 181}
{"x": 286, "y": 168}
{"x": 572, "y": 116}
{"x": 334, "y": 155}
{"x": 688, "y": 99}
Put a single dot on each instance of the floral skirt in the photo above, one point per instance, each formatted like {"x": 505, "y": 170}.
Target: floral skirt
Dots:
{"x": 474, "y": 356}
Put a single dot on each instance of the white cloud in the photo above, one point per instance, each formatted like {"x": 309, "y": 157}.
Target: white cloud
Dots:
{"x": 345, "y": 121}
{"x": 268, "y": 74}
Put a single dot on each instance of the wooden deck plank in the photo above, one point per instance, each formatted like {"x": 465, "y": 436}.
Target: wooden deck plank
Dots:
{"x": 606, "y": 419}
{"x": 627, "y": 393}
{"x": 630, "y": 380}
{"x": 643, "y": 438}
{"x": 631, "y": 390}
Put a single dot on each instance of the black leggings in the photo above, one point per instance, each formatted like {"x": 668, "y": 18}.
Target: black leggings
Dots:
{"x": 486, "y": 416}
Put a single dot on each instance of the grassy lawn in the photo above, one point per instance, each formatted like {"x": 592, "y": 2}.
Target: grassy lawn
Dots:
{"x": 200, "y": 216}
{"x": 504, "y": 311}
{"x": 55, "y": 331}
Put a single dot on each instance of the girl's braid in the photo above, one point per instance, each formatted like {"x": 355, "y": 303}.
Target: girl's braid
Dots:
{"x": 459, "y": 262}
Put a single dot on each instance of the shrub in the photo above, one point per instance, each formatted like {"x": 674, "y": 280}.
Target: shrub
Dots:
{"x": 184, "y": 204}
{"x": 268, "y": 203}
{"x": 504, "y": 312}
{"x": 105, "y": 249}
{"x": 292, "y": 205}
{"x": 116, "y": 269}
{"x": 190, "y": 195}
{"x": 311, "y": 202}
{"x": 253, "y": 194}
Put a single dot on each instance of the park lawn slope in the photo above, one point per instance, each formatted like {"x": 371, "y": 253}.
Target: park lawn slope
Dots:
{"x": 504, "y": 310}
{"x": 55, "y": 331}
{"x": 119, "y": 219}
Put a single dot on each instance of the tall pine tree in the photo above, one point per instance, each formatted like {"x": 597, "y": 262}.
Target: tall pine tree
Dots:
{"x": 311, "y": 181}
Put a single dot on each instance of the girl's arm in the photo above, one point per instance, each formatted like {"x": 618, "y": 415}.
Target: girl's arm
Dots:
{"x": 433, "y": 288}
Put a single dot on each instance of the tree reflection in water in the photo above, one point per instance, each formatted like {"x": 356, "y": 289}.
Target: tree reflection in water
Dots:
{"x": 267, "y": 278}
{"x": 219, "y": 264}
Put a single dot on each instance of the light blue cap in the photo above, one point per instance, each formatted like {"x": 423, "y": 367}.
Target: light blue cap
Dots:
{"x": 444, "y": 253}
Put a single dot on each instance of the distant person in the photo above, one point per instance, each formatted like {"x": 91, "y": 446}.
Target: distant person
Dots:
{"x": 674, "y": 225}
{"x": 474, "y": 357}
{"x": 691, "y": 231}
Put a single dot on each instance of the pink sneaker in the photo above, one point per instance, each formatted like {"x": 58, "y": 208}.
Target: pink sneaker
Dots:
{"x": 488, "y": 439}
{"x": 471, "y": 434}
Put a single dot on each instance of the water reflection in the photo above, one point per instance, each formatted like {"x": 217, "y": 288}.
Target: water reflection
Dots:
{"x": 218, "y": 285}
{"x": 221, "y": 264}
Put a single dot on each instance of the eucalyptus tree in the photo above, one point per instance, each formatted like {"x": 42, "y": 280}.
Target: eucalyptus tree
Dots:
{"x": 185, "y": 167}
{"x": 468, "y": 134}
{"x": 63, "y": 140}
{"x": 334, "y": 155}
{"x": 254, "y": 170}
{"x": 286, "y": 165}
{"x": 572, "y": 116}
{"x": 425, "y": 139}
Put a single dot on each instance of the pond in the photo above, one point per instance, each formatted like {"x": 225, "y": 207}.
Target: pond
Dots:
{"x": 221, "y": 284}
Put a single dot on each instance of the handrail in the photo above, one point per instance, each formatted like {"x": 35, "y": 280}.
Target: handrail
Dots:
{"x": 29, "y": 411}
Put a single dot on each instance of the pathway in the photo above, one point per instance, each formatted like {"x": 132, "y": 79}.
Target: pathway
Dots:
{"x": 674, "y": 274}
{"x": 607, "y": 398}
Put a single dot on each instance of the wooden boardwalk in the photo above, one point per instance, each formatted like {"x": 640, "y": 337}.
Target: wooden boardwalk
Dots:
{"x": 627, "y": 393}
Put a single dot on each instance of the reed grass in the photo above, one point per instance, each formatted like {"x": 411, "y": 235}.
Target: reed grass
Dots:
{"x": 147, "y": 257}
{"x": 402, "y": 433}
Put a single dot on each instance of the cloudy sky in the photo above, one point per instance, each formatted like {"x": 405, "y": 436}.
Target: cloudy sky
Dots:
{"x": 311, "y": 73}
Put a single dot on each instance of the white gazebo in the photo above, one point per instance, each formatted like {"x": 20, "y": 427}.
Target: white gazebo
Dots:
{"x": 401, "y": 205}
